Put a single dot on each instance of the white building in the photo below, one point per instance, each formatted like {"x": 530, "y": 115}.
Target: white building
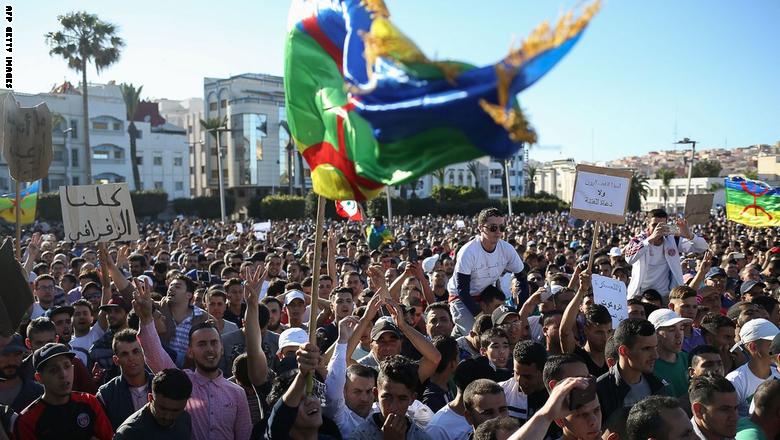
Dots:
{"x": 187, "y": 113}
{"x": 556, "y": 178}
{"x": 673, "y": 198}
{"x": 489, "y": 176}
{"x": 162, "y": 152}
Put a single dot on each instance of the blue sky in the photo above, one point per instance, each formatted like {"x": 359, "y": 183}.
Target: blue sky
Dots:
{"x": 645, "y": 74}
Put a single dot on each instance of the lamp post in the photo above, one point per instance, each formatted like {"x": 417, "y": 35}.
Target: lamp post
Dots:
{"x": 690, "y": 163}
{"x": 219, "y": 131}
{"x": 67, "y": 133}
{"x": 508, "y": 187}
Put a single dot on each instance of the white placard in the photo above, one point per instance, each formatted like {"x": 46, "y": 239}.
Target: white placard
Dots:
{"x": 26, "y": 139}
{"x": 460, "y": 224}
{"x": 98, "y": 213}
{"x": 262, "y": 227}
{"x": 612, "y": 294}
{"x": 600, "y": 194}
{"x": 240, "y": 228}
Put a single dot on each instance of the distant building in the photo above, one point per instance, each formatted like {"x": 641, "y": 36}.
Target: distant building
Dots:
{"x": 556, "y": 178}
{"x": 673, "y": 198}
{"x": 187, "y": 113}
{"x": 162, "y": 153}
{"x": 769, "y": 166}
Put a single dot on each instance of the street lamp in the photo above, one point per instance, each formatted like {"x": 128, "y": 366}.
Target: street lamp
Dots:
{"x": 690, "y": 163}
{"x": 67, "y": 135}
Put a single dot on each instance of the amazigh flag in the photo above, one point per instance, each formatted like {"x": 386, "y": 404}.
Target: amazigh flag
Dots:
{"x": 349, "y": 209}
{"x": 29, "y": 201}
{"x": 752, "y": 202}
{"x": 367, "y": 108}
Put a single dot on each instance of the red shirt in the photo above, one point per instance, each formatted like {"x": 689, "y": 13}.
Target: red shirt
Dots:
{"x": 81, "y": 418}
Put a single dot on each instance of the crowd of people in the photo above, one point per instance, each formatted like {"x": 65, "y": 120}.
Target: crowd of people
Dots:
{"x": 426, "y": 328}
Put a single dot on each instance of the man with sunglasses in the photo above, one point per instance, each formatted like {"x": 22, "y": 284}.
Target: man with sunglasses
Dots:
{"x": 480, "y": 263}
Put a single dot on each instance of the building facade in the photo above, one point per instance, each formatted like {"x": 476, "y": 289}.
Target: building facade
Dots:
{"x": 672, "y": 198}
{"x": 162, "y": 153}
{"x": 556, "y": 178}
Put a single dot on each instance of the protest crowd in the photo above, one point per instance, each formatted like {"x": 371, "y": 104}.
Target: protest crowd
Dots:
{"x": 427, "y": 328}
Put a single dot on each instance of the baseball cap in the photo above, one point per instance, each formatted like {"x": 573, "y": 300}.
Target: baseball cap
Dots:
{"x": 501, "y": 312}
{"x": 736, "y": 256}
{"x": 758, "y": 328}
{"x": 382, "y": 326}
{"x": 574, "y": 244}
{"x": 292, "y": 295}
{"x": 429, "y": 263}
{"x": 15, "y": 345}
{"x": 49, "y": 351}
{"x": 749, "y": 284}
{"x": 665, "y": 318}
{"x": 292, "y": 337}
{"x": 715, "y": 272}
{"x": 116, "y": 301}
{"x": 774, "y": 347}
{"x": 615, "y": 252}
{"x": 59, "y": 309}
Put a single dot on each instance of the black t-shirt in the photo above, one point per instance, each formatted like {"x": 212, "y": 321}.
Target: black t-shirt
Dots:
{"x": 81, "y": 418}
{"x": 434, "y": 396}
{"x": 593, "y": 369}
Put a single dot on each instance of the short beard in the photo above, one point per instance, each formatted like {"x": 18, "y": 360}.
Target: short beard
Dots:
{"x": 205, "y": 368}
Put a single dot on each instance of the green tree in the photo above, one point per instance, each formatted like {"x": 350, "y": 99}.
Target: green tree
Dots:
{"x": 666, "y": 175}
{"x": 84, "y": 38}
{"x": 132, "y": 97}
{"x": 440, "y": 175}
{"x": 706, "y": 168}
{"x": 638, "y": 192}
{"x": 751, "y": 174}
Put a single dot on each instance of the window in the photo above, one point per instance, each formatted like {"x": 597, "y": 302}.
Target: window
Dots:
{"x": 158, "y": 185}
{"x": 179, "y": 186}
{"x": 203, "y": 169}
{"x": 157, "y": 160}
{"x": 106, "y": 152}
{"x": 74, "y": 129}
{"x": 76, "y": 180}
{"x": 215, "y": 174}
{"x": 119, "y": 154}
{"x": 100, "y": 154}
{"x": 99, "y": 125}
{"x": 139, "y": 134}
{"x": 212, "y": 106}
{"x": 223, "y": 103}
{"x": 178, "y": 161}
{"x": 495, "y": 174}
{"x": 58, "y": 153}
{"x": 4, "y": 183}
{"x": 139, "y": 160}
{"x": 118, "y": 127}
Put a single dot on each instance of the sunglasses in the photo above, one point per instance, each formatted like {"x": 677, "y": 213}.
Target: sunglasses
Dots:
{"x": 494, "y": 228}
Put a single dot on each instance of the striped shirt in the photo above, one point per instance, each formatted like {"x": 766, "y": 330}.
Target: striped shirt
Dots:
{"x": 217, "y": 407}
{"x": 181, "y": 338}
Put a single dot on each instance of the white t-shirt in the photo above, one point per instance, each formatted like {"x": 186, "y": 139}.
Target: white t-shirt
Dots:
{"x": 516, "y": 400}
{"x": 446, "y": 424}
{"x": 658, "y": 272}
{"x": 484, "y": 267}
{"x": 746, "y": 384}
{"x": 85, "y": 342}
{"x": 139, "y": 396}
{"x": 37, "y": 311}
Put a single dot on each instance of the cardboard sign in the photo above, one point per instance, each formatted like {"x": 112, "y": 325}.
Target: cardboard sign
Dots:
{"x": 697, "y": 208}
{"x": 262, "y": 227}
{"x": 601, "y": 194}
{"x": 15, "y": 296}
{"x": 26, "y": 140}
{"x": 98, "y": 213}
{"x": 612, "y": 294}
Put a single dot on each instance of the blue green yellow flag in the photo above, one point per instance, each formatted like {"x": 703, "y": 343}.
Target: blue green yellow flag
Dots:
{"x": 752, "y": 202}
{"x": 29, "y": 201}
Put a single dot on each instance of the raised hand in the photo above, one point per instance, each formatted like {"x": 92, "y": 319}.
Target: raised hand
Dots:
{"x": 585, "y": 280}
{"x": 347, "y": 327}
{"x": 121, "y": 256}
{"x": 376, "y": 277}
{"x": 253, "y": 284}
{"x": 142, "y": 302}
{"x": 308, "y": 358}
{"x": 373, "y": 306}
{"x": 34, "y": 246}
{"x": 557, "y": 405}
{"x": 394, "y": 427}
{"x": 685, "y": 231}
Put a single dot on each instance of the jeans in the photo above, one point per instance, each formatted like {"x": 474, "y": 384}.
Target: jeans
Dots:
{"x": 462, "y": 317}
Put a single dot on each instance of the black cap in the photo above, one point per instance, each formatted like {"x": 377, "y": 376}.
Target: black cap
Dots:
{"x": 49, "y": 351}
{"x": 501, "y": 312}
{"x": 59, "y": 309}
{"x": 774, "y": 347}
{"x": 384, "y": 325}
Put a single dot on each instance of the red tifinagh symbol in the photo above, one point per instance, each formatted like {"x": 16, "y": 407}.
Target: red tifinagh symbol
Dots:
{"x": 755, "y": 206}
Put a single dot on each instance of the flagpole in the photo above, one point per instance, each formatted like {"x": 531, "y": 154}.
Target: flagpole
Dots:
{"x": 18, "y": 220}
{"x": 315, "y": 282}
{"x": 389, "y": 206}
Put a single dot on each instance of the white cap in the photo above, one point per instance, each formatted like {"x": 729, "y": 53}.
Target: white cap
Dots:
{"x": 429, "y": 263}
{"x": 615, "y": 252}
{"x": 756, "y": 329}
{"x": 292, "y": 337}
{"x": 665, "y": 318}
{"x": 294, "y": 294}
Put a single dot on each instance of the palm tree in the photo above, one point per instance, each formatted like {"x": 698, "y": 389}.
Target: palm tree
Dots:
{"x": 440, "y": 175}
{"x": 212, "y": 124}
{"x": 666, "y": 175}
{"x": 473, "y": 168}
{"x": 84, "y": 38}
{"x": 132, "y": 96}
{"x": 638, "y": 191}
{"x": 531, "y": 175}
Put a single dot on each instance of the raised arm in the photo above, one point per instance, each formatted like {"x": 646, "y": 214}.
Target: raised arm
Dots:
{"x": 556, "y": 407}
{"x": 426, "y": 285}
{"x": 569, "y": 319}
{"x": 337, "y": 367}
{"x": 372, "y": 308}
{"x": 308, "y": 358}
{"x": 156, "y": 357}
{"x": 257, "y": 364}
{"x": 33, "y": 250}
{"x": 430, "y": 355}
{"x": 701, "y": 270}
{"x": 528, "y": 307}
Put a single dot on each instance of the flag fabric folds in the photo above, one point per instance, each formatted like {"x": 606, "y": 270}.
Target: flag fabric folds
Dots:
{"x": 752, "y": 202}
{"x": 349, "y": 209}
{"x": 367, "y": 108}
{"x": 29, "y": 202}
